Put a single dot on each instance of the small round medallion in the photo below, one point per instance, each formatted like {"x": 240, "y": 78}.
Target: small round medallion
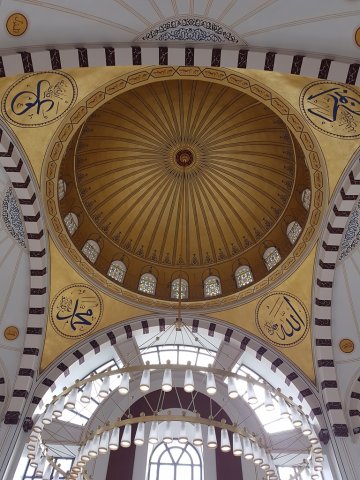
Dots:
{"x": 346, "y": 345}
{"x": 75, "y": 311}
{"x": 184, "y": 157}
{"x": 332, "y": 108}
{"x": 38, "y": 99}
{"x": 11, "y": 333}
{"x": 282, "y": 319}
{"x": 16, "y": 24}
{"x": 357, "y": 37}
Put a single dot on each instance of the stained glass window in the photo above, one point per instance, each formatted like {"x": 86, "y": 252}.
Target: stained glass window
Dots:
{"x": 147, "y": 284}
{"x": 61, "y": 189}
{"x": 175, "y": 288}
{"x": 117, "y": 271}
{"x": 91, "y": 250}
{"x": 243, "y": 276}
{"x": 175, "y": 462}
{"x": 71, "y": 222}
{"x": 271, "y": 257}
{"x": 306, "y": 198}
{"x": 293, "y": 231}
{"x": 212, "y": 286}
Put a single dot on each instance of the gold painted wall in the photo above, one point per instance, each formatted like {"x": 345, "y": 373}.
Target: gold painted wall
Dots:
{"x": 336, "y": 146}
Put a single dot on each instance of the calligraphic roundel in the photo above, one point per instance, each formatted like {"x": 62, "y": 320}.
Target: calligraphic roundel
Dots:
{"x": 39, "y": 99}
{"x": 282, "y": 319}
{"x": 76, "y": 310}
{"x": 333, "y": 108}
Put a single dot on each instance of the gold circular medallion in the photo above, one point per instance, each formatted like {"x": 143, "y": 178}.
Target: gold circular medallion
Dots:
{"x": 332, "y": 108}
{"x": 17, "y": 24}
{"x": 346, "y": 345}
{"x": 11, "y": 333}
{"x": 357, "y": 37}
{"x": 76, "y": 310}
{"x": 38, "y": 99}
{"x": 282, "y": 319}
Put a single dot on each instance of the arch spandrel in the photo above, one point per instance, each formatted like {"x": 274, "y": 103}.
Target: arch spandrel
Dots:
{"x": 87, "y": 82}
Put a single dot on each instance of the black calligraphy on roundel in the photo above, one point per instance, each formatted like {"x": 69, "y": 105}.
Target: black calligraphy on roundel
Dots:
{"x": 39, "y": 99}
{"x": 332, "y": 108}
{"x": 283, "y": 319}
{"x": 76, "y": 310}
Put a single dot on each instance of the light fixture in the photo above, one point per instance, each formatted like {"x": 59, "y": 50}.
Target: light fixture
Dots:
{"x": 211, "y": 437}
{"x": 140, "y": 435}
{"x": 114, "y": 439}
{"x": 105, "y": 387}
{"x": 237, "y": 445}
{"x": 210, "y": 383}
{"x": 189, "y": 385}
{"x": 85, "y": 395}
{"x": 93, "y": 450}
{"x": 154, "y": 433}
{"x": 248, "y": 449}
{"x": 47, "y": 472}
{"x": 38, "y": 427}
{"x": 41, "y": 466}
{"x": 296, "y": 418}
{"x": 47, "y": 418}
{"x": 124, "y": 384}
{"x": 225, "y": 441}
{"x": 167, "y": 437}
{"x": 313, "y": 439}
{"x": 59, "y": 407}
{"x": 251, "y": 397}
{"x": 232, "y": 389}
{"x": 167, "y": 380}
{"x": 268, "y": 400}
{"x": 198, "y": 437}
{"x": 145, "y": 379}
{"x": 258, "y": 455}
{"x": 71, "y": 399}
{"x": 104, "y": 442}
{"x": 126, "y": 436}
{"x": 306, "y": 428}
{"x": 283, "y": 406}
{"x": 183, "y": 436}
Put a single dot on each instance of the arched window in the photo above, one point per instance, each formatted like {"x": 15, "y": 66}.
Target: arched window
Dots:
{"x": 293, "y": 231}
{"x": 71, "y": 223}
{"x": 61, "y": 189}
{"x": 117, "y": 270}
{"x": 91, "y": 250}
{"x": 175, "y": 462}
{"x": 147, "y": 283}
{"x": 212, "y": 286}
{"x": 175, "y": 288}
{"x": 306, "y": 198}
{"x": 271, "y": 257}
{"x": 243, "y": 276}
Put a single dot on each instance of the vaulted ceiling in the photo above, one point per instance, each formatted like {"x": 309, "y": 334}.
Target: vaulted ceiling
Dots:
{"x": 323, "y": 28}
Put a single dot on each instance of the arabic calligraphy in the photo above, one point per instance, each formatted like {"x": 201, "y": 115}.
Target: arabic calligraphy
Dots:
{"x": 16, "y": 24}
{"x": 283, "y": 319}
{"x": 76, "y": 310}
{"x": 332, "y": 108}
{"x": 39, "y": 99}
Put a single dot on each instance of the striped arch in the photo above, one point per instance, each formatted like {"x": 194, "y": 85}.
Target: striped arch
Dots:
{"x": 354, "y": 407}
{"x": 342, "y": 203}
{"x": 307, "y": 393}
{"x": 13, "y": 161}
{"x": 57, "y": 58}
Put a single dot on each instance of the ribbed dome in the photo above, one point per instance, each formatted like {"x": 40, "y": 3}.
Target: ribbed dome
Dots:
{"x": 243, "y": 177}
{"x": 239, "y": 168}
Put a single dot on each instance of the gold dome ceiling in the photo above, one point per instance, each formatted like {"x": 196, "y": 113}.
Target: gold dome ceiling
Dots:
{"x": 243, "y": 176}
